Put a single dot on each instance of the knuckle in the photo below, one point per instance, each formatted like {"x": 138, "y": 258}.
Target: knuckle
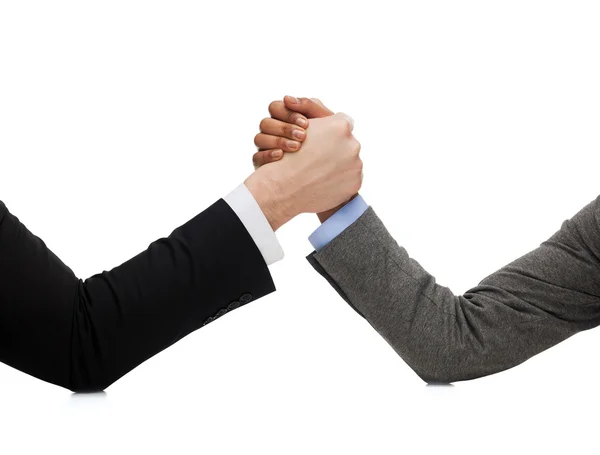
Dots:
{"x": 359, "y": 165}
{"x": 344, "y": 125}
{"x": 287, "y": 130}
{"x": 353, "y": 149}
{"x": 347, "y": 126}
{"x": 281, "y": 143}
{"x": 290, "y": 116}
{"x": 257, "y": 139}
{"x": 274, "y": 107}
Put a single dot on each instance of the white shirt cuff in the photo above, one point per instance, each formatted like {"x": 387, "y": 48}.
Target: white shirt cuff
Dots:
{"x": 248, "y": 211}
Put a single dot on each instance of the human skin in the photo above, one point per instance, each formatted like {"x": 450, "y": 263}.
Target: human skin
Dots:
{"x": 326, "y": 174}
{"x": 284, "y": 132}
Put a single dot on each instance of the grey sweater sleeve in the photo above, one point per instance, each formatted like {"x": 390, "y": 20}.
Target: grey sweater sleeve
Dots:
{"x": 522, "y": 309}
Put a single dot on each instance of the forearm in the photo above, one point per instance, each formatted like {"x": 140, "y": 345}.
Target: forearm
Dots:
{"x": 205, "y": 268}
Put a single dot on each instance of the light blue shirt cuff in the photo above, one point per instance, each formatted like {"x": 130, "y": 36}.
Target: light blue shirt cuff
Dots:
{"x": 338, "y": 223}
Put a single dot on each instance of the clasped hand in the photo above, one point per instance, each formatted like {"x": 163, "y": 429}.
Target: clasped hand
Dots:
{"x": 322, "y": 178}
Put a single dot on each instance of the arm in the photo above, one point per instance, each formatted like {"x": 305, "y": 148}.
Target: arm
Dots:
{"x": 524, "y": 308}
{"x": 86, "y": 334}
{"x": 513, "y": 314}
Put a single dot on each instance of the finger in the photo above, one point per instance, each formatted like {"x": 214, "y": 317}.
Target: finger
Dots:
{"x": 276, "y": 127}
{"x": 307, "y": 106}
{"x": 267, "y": 141}
{"x": 278, "y": 111}
{"x": 266, "y": 156}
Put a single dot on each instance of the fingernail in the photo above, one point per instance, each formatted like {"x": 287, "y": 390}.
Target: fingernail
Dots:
{"x": 298, "y": 134}
{"x": 292, "y": 144}
{"x": 301, "y": 121}
{"x": 293, "y": 99}
{"x": 276, "y": 154}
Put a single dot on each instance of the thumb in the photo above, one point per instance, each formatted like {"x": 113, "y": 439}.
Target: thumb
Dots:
{"x": 310, "y": 107}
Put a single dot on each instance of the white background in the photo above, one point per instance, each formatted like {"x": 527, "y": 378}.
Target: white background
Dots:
{"x": 120, "y": 120}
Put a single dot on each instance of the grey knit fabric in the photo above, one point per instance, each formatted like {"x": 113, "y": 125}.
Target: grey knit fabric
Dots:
{"x": 515, "y": 313}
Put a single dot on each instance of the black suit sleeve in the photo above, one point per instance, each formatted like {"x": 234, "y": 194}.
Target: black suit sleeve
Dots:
{"x": 86, "y": 334}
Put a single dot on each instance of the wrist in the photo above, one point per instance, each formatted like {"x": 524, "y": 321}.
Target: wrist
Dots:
{"x": 270, "y": 197}
{"x": 324, "y": 216}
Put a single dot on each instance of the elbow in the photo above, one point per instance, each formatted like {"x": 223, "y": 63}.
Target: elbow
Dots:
{"x": 84, "y": 380}
{"x": 452, "y": 363}
{"x": 93, "y": 356}
{"x": 434, "y": 374}
{"x": 436, "y": 377}
{"x": 93, "y": 386}
{"x": 78, "y": 380}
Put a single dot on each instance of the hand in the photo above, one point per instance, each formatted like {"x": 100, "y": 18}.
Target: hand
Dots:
{"x": 285, "y": 124}
{"x": 326, "y": 174}
{"x": 284, "y": 132}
